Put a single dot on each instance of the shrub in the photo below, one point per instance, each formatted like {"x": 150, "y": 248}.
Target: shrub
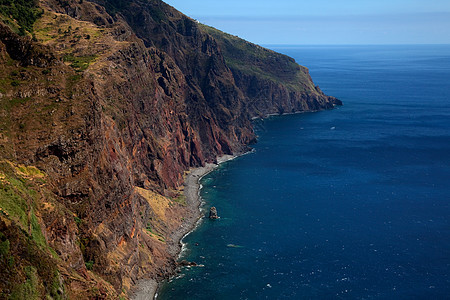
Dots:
{"x": 89, "y": 265}
{"x": 25, "y": 12}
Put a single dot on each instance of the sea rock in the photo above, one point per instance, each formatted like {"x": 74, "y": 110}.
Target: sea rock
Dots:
{"x": 213, "y": 213}
{"x": 185, "y": 263}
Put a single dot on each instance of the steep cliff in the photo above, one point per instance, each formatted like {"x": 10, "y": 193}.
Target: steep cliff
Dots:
{"x": 272, "y": 83}
{"x": 103, "y": 108}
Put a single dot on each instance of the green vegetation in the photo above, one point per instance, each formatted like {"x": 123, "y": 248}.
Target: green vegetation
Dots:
{"x": 13, "y": 205}
{"x": 36, "y": 232}
{"x": 4, "y": 245}
{"x": 6, "y": 259}
{"x": 56, "y": 286}
{"x": 78, "y": 221}
{"x": 82, "y": 242}
{"x": 149, "y": 228}
{"x": 89, "y": 265}
{"x": 180, "y": 199}
{"x": 28, "y": 289}
{"x": 17, "y": 201}
{"x": 79, "y": 63}
{"x": 20, "y": 14}
{"x": 15, "y": 83}
{"x": 30, "y": 171}
{"x": 251, "y": 59}
{"x": 158, "y": 235}
{"x": 158, "y": 14}
{"x": 12, "y": 102}
{"x": 28, "y": 264}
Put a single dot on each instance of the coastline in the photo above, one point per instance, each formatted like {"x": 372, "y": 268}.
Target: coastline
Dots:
{"x": 193, "y": 202}
{"x": 146, "y": 289}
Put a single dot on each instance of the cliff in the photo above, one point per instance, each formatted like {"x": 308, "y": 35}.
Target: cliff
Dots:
{"x": 104, "y": 106}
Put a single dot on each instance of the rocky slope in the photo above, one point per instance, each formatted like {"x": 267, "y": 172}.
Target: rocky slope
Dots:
{"x": 104, "y": 106}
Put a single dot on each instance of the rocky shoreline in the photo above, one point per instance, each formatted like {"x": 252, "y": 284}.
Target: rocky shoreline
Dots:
{"x": 146, "y": 289}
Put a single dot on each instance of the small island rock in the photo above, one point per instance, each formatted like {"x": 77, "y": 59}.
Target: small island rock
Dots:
{"x": 185, "y": 263}
{"x": 213, "y": 213}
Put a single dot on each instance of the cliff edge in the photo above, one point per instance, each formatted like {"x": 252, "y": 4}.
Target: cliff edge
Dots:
{"x": 104, "y": 107}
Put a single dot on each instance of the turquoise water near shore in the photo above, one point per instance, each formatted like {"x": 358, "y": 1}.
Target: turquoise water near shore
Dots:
{"x": 348, "y": 203}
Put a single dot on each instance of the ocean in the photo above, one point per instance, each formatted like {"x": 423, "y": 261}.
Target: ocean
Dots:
{"x": 351, "y": 203}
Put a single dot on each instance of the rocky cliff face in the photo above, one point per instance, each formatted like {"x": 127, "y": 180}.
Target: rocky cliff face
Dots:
{"x": 271, "y": 83}
{"x": 101, "y": 114}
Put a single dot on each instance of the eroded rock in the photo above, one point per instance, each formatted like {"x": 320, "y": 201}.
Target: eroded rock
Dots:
{"x": 213, "y": 213}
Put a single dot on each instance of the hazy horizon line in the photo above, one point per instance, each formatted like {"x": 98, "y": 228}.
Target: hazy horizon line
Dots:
{"x": 381, "y": 44}
{"x": 314, "y": 16}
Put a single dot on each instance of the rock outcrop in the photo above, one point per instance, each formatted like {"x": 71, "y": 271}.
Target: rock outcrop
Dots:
{"x": 213, "y": 213}
{"x": 102, "y": 112}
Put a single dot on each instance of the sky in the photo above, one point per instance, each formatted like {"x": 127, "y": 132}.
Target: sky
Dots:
{"x": 321, "y": 22}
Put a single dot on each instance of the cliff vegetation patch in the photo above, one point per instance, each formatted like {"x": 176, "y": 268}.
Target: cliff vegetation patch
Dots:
{"x": 29, "y": 265}
{"x": 20, "y": 14}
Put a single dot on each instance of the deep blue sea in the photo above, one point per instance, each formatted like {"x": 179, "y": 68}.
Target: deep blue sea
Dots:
{"x": 352, "y": 203}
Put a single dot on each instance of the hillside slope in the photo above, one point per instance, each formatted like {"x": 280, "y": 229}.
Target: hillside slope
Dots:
{"x": 103, "y": 108}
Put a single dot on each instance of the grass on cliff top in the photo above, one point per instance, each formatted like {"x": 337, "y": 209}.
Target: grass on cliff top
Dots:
{"x": 81, "y": 44}
{"x": 252, "y": 59}
{"x": 60, "y": 28}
